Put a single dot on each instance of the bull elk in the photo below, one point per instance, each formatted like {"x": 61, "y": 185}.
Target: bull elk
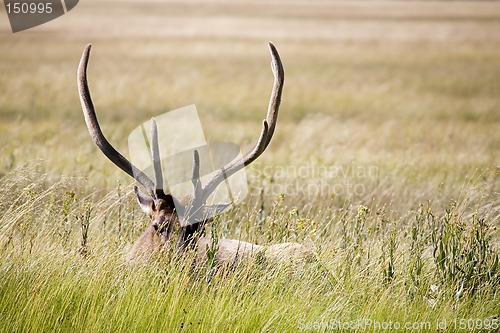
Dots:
{"x": 178, "y": 224}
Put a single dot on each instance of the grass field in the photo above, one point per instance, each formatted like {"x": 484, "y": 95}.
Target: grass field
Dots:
{"x": 385, "y": 163}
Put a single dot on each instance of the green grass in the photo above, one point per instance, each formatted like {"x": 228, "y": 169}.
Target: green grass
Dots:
{"x": 421, "y": 267}
{"x": 384, "y": 163}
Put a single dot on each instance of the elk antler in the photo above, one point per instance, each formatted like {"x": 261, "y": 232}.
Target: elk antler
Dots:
{"x": 266, "y": 134}
{"x": 155, "y": 157}
{"x": 155, "y": 188}
{"x": 95, "y": 130}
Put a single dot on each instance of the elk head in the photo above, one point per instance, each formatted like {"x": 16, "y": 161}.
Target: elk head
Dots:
{"x": 177, "y": 222}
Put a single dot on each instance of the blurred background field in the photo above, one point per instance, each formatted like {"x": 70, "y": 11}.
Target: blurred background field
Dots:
{"x": 409, "y": 90}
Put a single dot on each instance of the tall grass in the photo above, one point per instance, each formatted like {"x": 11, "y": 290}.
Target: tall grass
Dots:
{"x": 63, "y": 268}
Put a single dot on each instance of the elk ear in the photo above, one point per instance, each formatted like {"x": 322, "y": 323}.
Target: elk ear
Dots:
{"x": 145, "y": 201}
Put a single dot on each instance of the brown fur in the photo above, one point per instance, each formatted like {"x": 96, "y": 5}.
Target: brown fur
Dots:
{"x": 229, "y": 251}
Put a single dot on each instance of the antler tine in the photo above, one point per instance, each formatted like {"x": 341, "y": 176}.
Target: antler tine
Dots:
{"x": 275, "y": 100}
{"x": 195, "y": 177}
{"x": 95, "y": 130}
{"x": 266, "y": 134}
{"x": 155, "y": 156}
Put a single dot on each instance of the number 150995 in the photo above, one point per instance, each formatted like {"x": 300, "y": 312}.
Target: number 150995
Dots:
{"x": 29, "y": 8}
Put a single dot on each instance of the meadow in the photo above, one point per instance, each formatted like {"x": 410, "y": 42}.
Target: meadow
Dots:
{"x": 385, "y": 163}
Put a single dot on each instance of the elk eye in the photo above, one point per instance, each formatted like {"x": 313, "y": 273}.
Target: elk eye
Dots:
{"x": 155, "y": 226}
